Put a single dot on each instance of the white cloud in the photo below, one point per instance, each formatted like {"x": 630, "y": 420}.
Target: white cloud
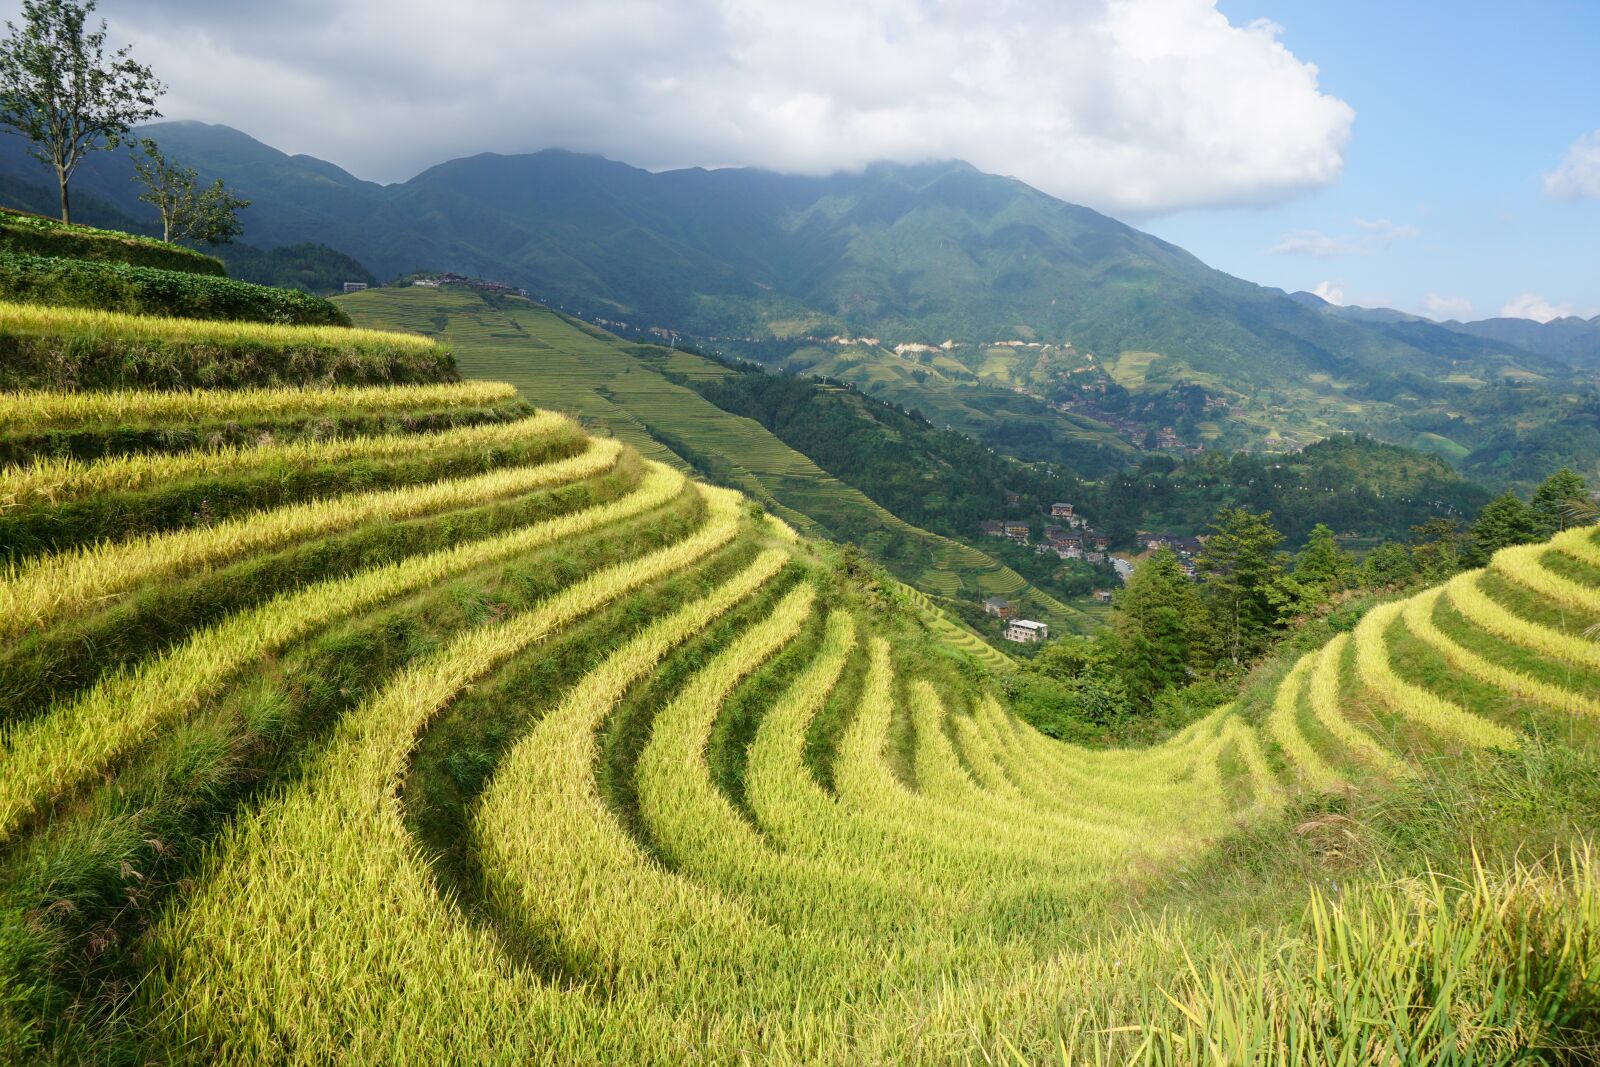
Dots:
{"x": 1441, "y": 308}
{"x": 1132, "y": 106}
{"x": 1578, "y": 176}
{"x": 1531, "y": 306}
{"x": 1382, "y": 233}
{"x": 1377, "y": 235}
{"x": 1332, "y": 292}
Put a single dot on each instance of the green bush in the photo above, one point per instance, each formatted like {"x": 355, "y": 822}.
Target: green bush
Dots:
{"x": 149, "y": 291}
{"x": 34, "y": 235}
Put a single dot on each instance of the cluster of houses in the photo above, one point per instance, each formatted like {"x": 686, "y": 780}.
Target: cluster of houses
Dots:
{"x": 439, "y": 281}
{"x": 1187, "y": 549}
{"x": 1022, "y": 631}
{"x": 1073, "y": 540}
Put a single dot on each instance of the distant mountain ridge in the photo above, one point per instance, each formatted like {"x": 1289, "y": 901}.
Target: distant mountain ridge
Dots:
{"x": 1571, "y": 339}
{"x": 1141, "y": 336}
{"x": 905, "y": 253}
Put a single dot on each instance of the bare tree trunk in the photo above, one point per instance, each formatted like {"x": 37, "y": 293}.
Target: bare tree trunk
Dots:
{"x": 66, "y": 207}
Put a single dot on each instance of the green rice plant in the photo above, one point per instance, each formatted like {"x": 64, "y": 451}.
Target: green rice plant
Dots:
{"x": 52, "y": 481}
{"x": 1466, "y": 595}
{"x": 36, "y": 593}
{"x": 1524, "y": 565}
{"x": 1418, "y": 617}
{"x": 1501, "y": 969}
{"x": 293, "y": 929}
{"x": 1283, "y": 724}
{"x": 1324, "y": 692}
{"x": 57, "y": 348}
{"x": 74, "y": 742}
{"x": 1413, "y": 701}
{"x": 143, "y": 290}
{"x": 37, "y": 410}
{"x": 26, "y": 234}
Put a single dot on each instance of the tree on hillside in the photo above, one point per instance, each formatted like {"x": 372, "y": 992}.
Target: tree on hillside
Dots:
{"x": 63, "y": 92}
{"x": 1241, "y": 567}
{"x": 1562, "y": 501}
{"x": 1386, "y": 566}
{"x": 1323, "y": 563}
{"x": 1155, "y": 621}
{"x": 189, "y": 211}
{"x": 1503, "y": 522}
{"x": 1437, "y": 549}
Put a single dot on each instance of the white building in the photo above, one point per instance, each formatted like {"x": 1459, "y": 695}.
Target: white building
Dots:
{"x": 1026, "y": 631}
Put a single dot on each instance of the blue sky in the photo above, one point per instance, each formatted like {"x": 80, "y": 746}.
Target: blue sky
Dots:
{"x": 1460, "y": 109}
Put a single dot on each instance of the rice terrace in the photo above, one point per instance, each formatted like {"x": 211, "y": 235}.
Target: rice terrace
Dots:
{"x": 433, "y": 670}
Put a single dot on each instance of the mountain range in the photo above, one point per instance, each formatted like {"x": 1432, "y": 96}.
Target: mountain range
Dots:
{"x": 783, "y": 268}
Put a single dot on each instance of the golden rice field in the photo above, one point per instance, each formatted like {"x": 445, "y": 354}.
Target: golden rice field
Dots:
{"x": 52, "y": 320}
{"x": 499, "y": 743}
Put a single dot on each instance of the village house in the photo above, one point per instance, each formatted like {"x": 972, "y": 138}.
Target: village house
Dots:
{"x": 1103, "y": 595}
{"x": 1061, "y": 511}
{"x": 355, "y": 287}
{"x": 1096, "y": 556}
{"x": 1018, "y": 532}
{"x": 1056, "y": 535}
{"x": 1099, "y": 540}
{"x": 1183, "y": 546}
{"x": 1000, "y": 607}
{"x": 993, "y": 528}
{"x": 1026, "y": 631}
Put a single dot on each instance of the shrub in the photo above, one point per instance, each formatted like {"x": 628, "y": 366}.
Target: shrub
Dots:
{"x": 34, "y": 235}
{"x": 149, "y": 291}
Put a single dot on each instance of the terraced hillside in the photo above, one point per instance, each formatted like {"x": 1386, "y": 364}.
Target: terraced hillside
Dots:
{"x": 348, "y": 721}
{"x": 567, "y": 365}
{"x": 449, "y": 733}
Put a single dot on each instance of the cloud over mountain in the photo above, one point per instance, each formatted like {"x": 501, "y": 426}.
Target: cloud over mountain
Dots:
{"x": 1131, "y": 106}
{"x": 1578, "y": 176}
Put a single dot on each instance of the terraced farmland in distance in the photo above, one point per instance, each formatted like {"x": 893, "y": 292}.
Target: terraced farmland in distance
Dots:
{"x": 487, "y": 741}
{"x": 574, "y": 367}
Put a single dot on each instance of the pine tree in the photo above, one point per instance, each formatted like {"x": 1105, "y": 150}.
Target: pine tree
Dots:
{"x": 1562, "y": 501}
{"x": 1241, "y": 566}
{"x": 1154, "y": 622}
{"x": 1503, "y": 522}
{"x": 1323, "y": 564}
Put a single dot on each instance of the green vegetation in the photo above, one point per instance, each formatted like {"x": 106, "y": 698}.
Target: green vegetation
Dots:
{"x": 515, "y": 760}
{"x": 647, "y": 397}
{"x": 23, "y": 234}
{"x": 189, "y": 210}
{"x": 311, "y": 268}
{"x": 68, "y": 348}
{"x": 134, "y": 290}
{"x": 411, "y": 724}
